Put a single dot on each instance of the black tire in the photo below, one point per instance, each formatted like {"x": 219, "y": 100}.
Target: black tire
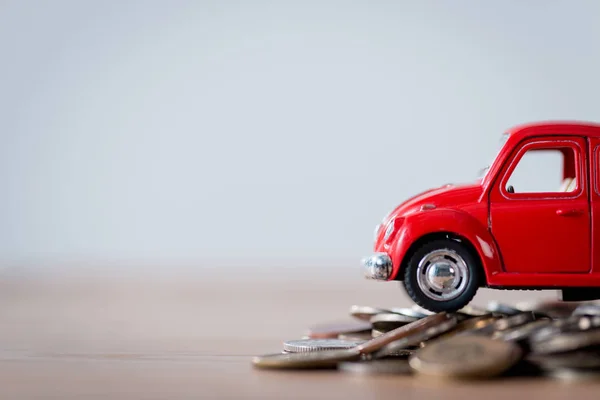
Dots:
{"x": 466, "y": 294}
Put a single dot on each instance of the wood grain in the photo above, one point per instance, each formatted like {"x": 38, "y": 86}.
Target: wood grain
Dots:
{"x": 107, "y": 334}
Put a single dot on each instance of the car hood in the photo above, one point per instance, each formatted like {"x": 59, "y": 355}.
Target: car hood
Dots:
{"x": 447, "y": 196}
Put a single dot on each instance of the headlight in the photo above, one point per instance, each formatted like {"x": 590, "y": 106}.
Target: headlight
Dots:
{"x": 389, "y": 230}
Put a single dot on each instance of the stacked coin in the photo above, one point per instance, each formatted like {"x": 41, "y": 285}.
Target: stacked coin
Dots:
{"x": 559, "y": 340}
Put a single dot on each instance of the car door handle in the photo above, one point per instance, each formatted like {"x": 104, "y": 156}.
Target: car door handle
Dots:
{"x": 568, "y": 213}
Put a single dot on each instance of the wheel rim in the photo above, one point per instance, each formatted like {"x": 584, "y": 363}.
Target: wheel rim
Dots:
{"x": 442, "y": 275}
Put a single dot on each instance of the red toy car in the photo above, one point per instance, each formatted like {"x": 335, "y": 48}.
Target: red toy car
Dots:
{"x": 498, "y": 232}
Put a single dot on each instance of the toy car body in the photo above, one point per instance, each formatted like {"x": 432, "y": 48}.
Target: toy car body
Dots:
{"x": 447, "y": 242}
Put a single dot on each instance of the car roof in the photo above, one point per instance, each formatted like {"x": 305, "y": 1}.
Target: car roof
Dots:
{"x": 585, "y": 128}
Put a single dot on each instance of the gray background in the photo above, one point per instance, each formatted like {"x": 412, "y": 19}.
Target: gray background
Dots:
{"x": 207, "y": 132}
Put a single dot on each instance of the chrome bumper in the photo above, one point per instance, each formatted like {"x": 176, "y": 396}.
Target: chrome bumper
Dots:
{"x": 378, "y": 266}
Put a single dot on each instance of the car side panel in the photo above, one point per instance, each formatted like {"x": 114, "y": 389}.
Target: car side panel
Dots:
{"x": 594, "y": 178}
{"x": 543, "y": 281}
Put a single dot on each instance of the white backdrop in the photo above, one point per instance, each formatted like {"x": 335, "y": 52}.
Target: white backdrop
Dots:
{"x": 255, "y": 132}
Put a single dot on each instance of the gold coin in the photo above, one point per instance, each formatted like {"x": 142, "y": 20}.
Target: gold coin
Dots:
{"x": 465, "y": 357}
{"x": 308, "y": 360}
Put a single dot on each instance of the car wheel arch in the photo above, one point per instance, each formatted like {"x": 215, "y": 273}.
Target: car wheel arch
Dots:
{"x": 429, "y": 237}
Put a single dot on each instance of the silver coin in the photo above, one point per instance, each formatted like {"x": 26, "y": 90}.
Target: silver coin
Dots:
{"x": 522, "y": 332}
{"x": 388, "y": 366}
{"x": 365, "y": 313}
{"x": 390, "y": 317}
{"x": 309, "y": 360}
{"x": 575, "y": 359}
{"x": 513, "y": 321}
{"x": 409, "y": 312}
{"x": 473, "y": 311}
{"x": 589, "y": 322}
{"x": 417, "y": 308}
{"x": 310, "y": 345}
{"x": 550, "y": 308}
{"x": 386, "y": 322}
{"x": 591, "y": 309}
{"x": 574, "y": 374}
{"x": 565, "y": 325}
{"x": 496, "y": 307}
{"x": 564, "y": 342}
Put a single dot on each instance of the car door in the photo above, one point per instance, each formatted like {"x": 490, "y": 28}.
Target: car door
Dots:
{"x": 539, "y": 207}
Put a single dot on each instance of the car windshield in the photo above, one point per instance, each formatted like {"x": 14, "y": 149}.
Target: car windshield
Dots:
{"x": 483, "y": 172}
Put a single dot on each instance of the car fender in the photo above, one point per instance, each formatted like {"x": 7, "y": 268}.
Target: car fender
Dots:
{"x": 459, "y": 224}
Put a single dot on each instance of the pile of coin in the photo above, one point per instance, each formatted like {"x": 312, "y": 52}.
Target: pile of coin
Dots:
{"x": 552, "y": 338}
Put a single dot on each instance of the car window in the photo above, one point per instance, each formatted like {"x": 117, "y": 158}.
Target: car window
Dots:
{"x": 542, "y": 171}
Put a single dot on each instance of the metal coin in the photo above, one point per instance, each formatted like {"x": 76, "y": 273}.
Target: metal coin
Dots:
{"x": 550, "y": 308}
{"x": 417, "y": 338}
{"x": 576, "y": 359}
{"x": 524, "y": 368}
{"x": 388, "y": 366}
{"x": 589, "y": 322}
{"x": 388, "y": 321}
{"x": 409, "y": 312}
{"x": 375, "y": 333}
{"x": 417, "y": 308}
{"x": 465, "y": 357}
{"x": 523, "y": 332}
{"x": 399, "y": 333}
{"x": 567, "y": 342}
{"x": 334, "y": 329}
{"x": 591, "y": 309}
{"x": 574, "y": 323}
{"x": 574, "y": 374}
{"x": 513, "y": 321}
{"x": 309, "y": 345}
{"x": 358, "y": 336}
{"x": 308, "y": 360}
{"x": 401, "y": 353}
{"x": 460, "y": 316}
{"x": 473, "y": 311}
{"x": 365, "y": 313}
{"x": 483, "y": 325}
{"x": 495, "y": 307}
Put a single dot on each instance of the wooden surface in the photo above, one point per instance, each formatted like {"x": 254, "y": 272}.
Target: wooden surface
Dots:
{"x": 192, "y": 335}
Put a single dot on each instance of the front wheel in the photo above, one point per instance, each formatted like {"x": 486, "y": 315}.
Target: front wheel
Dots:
{"x": 442, "y": 275}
